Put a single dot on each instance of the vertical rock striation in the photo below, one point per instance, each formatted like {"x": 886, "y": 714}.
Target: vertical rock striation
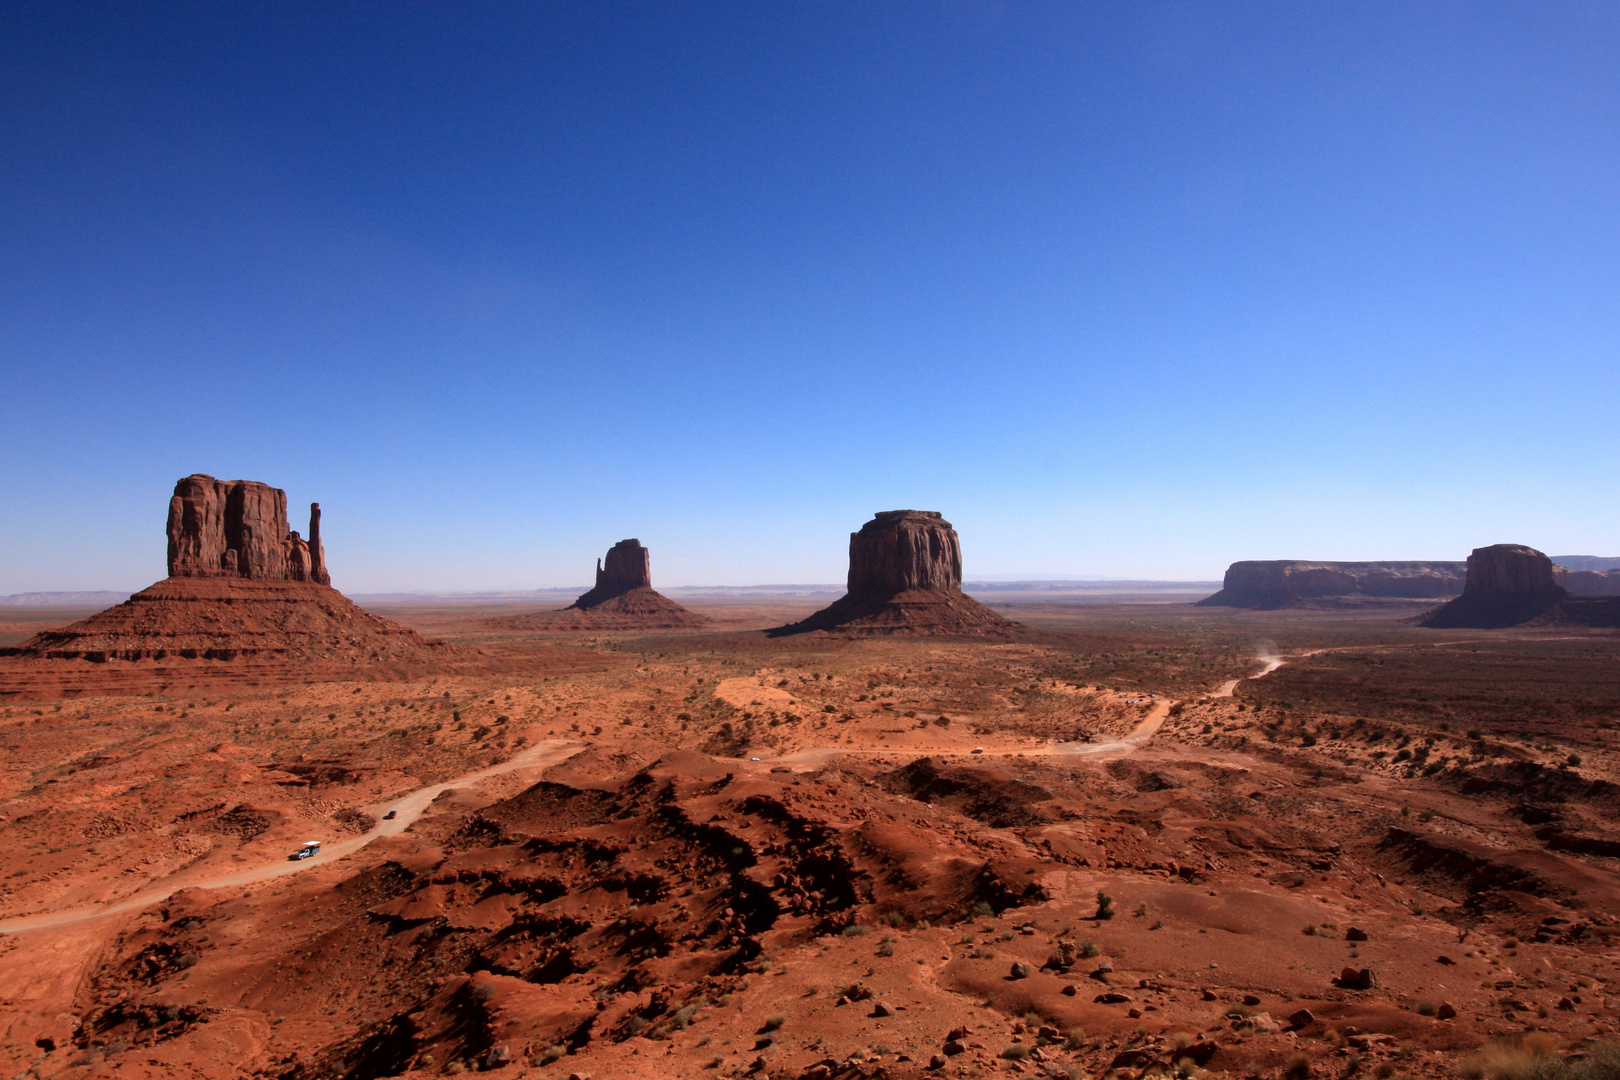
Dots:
{"x": 1508, "y": 584}
{"x": 238, "y": 529}
{"x": 905, "y": 576}
{"x": 242, "y": 588}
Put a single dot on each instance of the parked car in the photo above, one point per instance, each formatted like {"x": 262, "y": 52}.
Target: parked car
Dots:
{"x": 310, "y": 849}
{"x": 391, "y": 815}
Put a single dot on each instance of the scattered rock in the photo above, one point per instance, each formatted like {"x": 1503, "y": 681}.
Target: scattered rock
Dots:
{"x": 1370, "y": 1041}
{"x": 1251, "y": 999}
{"x": 1355, "y": 933}
{"x": 1019, "y": 971}
{"x": 937, "y": 1061}
{"x": 882, "y": 1008}
{"x": 1113, "y": 997}
{"x": 954, "y": 1047}
{"x": 1355, "y": 979}
{"x": 1446, "y": 1011}
{"x": 1302, "y": 1019}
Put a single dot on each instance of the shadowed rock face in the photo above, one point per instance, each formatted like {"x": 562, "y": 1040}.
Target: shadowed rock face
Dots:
{"x": 905, "y": 576}
{"x": 1508, "y": 584}
{"x": 623, "y": 599}
{"x": 238, "y": 528}
{"x": 627, "y": 566}
{"x": 1510, "y": 569}
{"x": 904, "y": 549}
{"x": 1280, "y": 583}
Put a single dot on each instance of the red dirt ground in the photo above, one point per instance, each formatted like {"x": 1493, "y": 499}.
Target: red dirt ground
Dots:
{"x": 622, "y": 890}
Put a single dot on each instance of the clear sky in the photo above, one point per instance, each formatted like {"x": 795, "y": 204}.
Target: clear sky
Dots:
{"x": 1127, "y": 289}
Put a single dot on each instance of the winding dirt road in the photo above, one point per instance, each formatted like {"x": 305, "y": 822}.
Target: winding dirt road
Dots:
{"x": 543, "y": 755}
{"x": 406, "y": 810}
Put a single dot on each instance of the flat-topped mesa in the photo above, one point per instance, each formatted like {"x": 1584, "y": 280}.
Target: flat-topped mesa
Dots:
{"x": 901, "y": 550}
{"x": 1276, "y": 583}
{"x": 238, "y": 529}
{"x": 905, "y": 577}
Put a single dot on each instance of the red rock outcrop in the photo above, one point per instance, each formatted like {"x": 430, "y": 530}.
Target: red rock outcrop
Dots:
{"x": 238, "y": 528}
{"x": 1591, "y": 582}
{"x": 1279, "y": 583}
{"x": 1508, "y": 584}
{"x": 623, "y": 599}
{"x": 242, "y": 588}
{"x": 905, "y": 576}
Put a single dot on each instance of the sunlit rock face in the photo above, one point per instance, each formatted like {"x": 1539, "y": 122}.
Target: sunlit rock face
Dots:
{"x": 238, "y": 528}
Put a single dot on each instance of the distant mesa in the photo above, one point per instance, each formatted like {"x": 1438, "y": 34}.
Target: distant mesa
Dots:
{"x": 241, "y": 587}
{"x": 1513, "y": 585}
{"x": 1282, "y": 583}
{"x": 622, "y": 599}
{"x": 905, "y": 577}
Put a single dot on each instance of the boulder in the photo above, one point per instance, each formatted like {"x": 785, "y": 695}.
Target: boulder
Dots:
{"x": 905, "y": 577}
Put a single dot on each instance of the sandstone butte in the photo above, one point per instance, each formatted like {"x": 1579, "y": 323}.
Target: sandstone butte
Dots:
{"x": 905, "y": 577}
{"x": 622, "y": 599}
{"x": 1278, "y": 583}
{"x": 1511, "y": 585}
{"x": 242, "y": 589}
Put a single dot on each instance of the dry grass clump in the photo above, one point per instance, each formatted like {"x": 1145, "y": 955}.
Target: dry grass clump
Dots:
{"x": 1534, "y": 1056}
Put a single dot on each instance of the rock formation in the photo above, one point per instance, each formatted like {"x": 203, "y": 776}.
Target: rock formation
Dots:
{"x": 905, "y": 576}
{"x": 627, "y": 566}
{"x": 241, "y": 587}
{"x": 622, "y": 599}
{"x": 1279, "y": 583}
{"x": 1590, "y": 582}
{"x": 238, "y": 528}
{"x": 1511, "y": 585}
{"x": 1508, "y": 584}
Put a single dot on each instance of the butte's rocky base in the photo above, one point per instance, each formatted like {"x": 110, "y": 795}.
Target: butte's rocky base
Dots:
{"x": 242, "y": 588}
{"x": 905, "y": 577}
{"x": 622, "y": 599}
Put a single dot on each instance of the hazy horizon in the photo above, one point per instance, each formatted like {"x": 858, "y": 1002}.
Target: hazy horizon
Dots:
{"x": 1136, "y": 291}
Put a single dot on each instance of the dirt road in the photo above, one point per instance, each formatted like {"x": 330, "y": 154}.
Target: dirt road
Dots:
{"x": 406, "y": 810}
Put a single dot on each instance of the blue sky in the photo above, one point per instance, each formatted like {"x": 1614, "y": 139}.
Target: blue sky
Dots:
{"x": 1126, "y": 289}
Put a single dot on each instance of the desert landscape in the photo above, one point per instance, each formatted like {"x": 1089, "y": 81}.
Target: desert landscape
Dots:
{"x": 904, "y": 834}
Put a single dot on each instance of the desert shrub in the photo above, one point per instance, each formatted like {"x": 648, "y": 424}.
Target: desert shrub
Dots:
{"x": 856, "y": 930}
{"x": 1534, "y": 1056}
{"x": 1298, "y": 1068}
{"x": 942, "y": 721}
{"x": 773, "y": 1022}
{"x": 981, "y": 910}
{"x": 1105, "y": 905}
{"x": 1574, "y": 759}
{"x": 1427, "y": 1008}
{"x": 885, "y": 949}
{"x": 1310, "y": 930}
{"x": 1016, "y": 1052}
